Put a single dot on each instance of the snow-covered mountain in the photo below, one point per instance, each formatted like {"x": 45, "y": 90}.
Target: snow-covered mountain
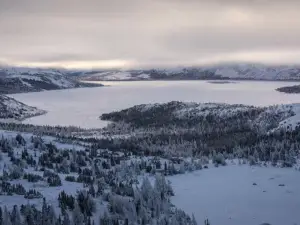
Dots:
{"x": 19, "y": 79}
{"x": 12, "y": 110}
{"x": 45, "y": 79}
{"x": 239, "y": 71}
{"x": 259, "y": 72}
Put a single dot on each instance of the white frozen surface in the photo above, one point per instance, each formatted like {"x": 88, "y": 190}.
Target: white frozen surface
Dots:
{"x": 82, "y": 107}
{"x": 227, "y": 196}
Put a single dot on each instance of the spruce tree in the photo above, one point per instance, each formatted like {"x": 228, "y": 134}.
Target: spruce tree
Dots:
{"x": 194, "y": 222}
{"x": 66, "y": 220}
{"x": 6, "y": 217}
{"x": 77, "y": 216}
{"x": 1, "y": 216}
{"x": 15, "y": 216}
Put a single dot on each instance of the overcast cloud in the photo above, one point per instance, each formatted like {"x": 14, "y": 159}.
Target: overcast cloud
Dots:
{"x": 107, "y": 33}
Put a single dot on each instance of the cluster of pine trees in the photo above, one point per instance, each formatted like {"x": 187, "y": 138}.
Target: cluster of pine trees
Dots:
{"x": 108, "y": 178}
{"x": 148, "y": 205}
{"x": 41, "y": 130}
{"x": 190, "y": 129}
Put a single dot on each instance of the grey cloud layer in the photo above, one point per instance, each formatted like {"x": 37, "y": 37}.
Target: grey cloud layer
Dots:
{"x": 146, "y": 32}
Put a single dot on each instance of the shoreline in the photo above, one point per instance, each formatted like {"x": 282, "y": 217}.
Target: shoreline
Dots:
{"x": 225, "y": 79}
{"x": 295, "y": 89}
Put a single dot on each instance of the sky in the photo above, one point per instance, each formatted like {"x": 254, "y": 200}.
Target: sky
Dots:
{"x": 147, "y": 33}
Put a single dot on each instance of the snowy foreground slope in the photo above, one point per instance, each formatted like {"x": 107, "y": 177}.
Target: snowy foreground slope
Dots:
{"x": 46, "y": 180}
{"x": 51, "y": 193}
{"x": 240, "y": 195}
{"x": 238, "y": 71}
{"x": 12, "y": 110}
{"x": 85, "y": 185}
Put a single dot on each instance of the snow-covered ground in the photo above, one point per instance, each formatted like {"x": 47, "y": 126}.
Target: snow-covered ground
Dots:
{"x": 12, "y": 110}
{"x": 293, "y": 121}
{"x": 50, "y": 193}
{"x": 82, "y": 107}
{"x": 46, "y": 139}
{"x": 227, "y": 196}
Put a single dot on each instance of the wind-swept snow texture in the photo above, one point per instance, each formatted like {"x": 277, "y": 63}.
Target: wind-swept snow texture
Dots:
{"x": 291, "y": 122}
{"x": 229, "y": 196}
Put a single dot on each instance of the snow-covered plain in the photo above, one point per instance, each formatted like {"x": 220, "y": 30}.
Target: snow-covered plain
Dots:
{"x": 227, "y": 196}
{"x": 82, "y": 107}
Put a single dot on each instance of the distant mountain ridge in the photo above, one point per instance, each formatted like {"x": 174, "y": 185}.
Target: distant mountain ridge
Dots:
{"x": 239, "y": 71}
{"x": 20, "y": 79}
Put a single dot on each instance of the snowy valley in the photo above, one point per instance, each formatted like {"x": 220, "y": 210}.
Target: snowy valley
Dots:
{"x": 153, "y": 161}
{"x": 149, "y": 112}
{"x": 161, "y": 163}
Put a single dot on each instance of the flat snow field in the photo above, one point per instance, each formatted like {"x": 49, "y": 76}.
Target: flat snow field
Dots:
{"x": 227, "y": 196}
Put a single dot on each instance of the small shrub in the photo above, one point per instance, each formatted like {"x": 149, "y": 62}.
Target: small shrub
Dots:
{"x": 32, "y": 193}
{"x": 70, "y": 178}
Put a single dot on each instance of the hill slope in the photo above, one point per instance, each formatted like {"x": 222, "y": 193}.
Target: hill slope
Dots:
{"x": 191, "y": 129}
{"x": 18, "y": 80}
{"x": 12, "y": 110}
{"x": 240, "y": 71}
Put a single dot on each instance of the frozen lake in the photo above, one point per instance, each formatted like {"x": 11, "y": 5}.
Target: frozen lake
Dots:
{"x": 227, "y": 196}
{"x": 82, "y": 107}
